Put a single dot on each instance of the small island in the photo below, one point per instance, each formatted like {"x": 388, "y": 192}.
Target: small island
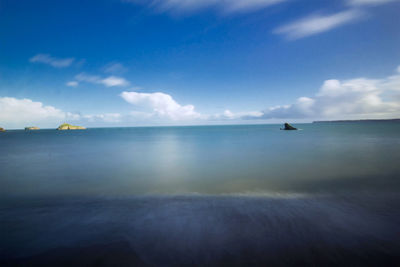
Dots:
{"x": 66, "y": 126}
{"x": 31, "y": 128}
{"x": 2, "y": 129}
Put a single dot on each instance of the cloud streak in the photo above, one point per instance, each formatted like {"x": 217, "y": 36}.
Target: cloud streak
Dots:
{"x": 110, "y": 81}
{"x": 307, "y": 26}
{"x": 315, "y": 24}
{"x": 369, "y": 2}
{"x": 114, "y": 67}
{"x": 52, "y": 61}
{"x": 228, "y": 6}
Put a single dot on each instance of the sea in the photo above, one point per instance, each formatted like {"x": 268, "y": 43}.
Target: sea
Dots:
{"x": 233, "y": 195}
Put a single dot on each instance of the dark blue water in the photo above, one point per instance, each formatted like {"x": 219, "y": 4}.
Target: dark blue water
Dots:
{"x": 233, "y": 195}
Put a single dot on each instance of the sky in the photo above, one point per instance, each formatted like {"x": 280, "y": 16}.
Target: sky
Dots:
{"x": 112, "y": 63}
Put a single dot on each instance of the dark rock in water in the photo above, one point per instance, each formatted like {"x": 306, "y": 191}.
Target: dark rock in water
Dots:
{"x": 288, "y": 127}
{"x": 2, "y": 129}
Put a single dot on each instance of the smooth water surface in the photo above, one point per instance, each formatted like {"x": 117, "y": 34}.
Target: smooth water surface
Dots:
{"x": 204, "y": 159}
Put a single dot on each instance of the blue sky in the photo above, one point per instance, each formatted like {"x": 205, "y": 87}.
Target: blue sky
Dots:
{"x": 134, "y": 62}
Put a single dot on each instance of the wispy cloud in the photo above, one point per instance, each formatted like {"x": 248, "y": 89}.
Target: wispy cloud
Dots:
{"x": 114, "y": 67}
{"x": 114, "y": 81}
{"x": 52, "y": 61}
{"x": 369, "y": 2}
{"x": 229, "y": 6}
{"x": 317, "y": 24}
{"x": 72, "y": 83}
{"x": 110, "y": 81}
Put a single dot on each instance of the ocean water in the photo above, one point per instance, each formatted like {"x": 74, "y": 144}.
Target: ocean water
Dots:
{"x": 204, "y": 195}
{"x": 204, "y": 160}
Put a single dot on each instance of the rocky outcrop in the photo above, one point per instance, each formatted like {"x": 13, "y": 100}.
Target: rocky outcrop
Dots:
{"x": 2, "y": 129}
{"x": 66, "y": 126}
{"x": 288, "y": 127}
{"x": 31, "y": 128}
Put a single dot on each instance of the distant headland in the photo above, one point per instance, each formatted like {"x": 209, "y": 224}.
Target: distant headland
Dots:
{"x": 366, "y": 120}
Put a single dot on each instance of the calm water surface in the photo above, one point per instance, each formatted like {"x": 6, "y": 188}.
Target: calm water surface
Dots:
{"x": 209, "y": 195}
{"x": 209, "y": 159}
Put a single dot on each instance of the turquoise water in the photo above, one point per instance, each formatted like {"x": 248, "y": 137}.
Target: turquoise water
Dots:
{"x": 327, "y": 195}
{"x": 206, "y": 159}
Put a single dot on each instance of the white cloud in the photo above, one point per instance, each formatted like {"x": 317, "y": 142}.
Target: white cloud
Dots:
{"x": 19, "y": 113}
{"x": 369, "y": 2}
{"x": 160, "y": 105}
{"x": 25, "y": 112}
{"x": 110, "y": 81}
{"x": 52, "y": 61}
{"x": 114, "y": 81}
{"x": 194, "y": 5}
{"x": 72, "y": 83}
{"x": 317, "y": 24}
{"x": 358, "y": 98}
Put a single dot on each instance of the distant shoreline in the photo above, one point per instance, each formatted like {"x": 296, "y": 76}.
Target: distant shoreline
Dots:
{"x": 366, "y": 120}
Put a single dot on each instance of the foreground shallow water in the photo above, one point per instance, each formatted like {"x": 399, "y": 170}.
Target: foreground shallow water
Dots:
{"x": 203, "y": 230}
